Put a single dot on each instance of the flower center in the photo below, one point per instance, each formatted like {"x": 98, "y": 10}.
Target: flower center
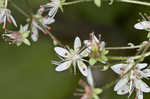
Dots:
{"x": 75, "y": 57}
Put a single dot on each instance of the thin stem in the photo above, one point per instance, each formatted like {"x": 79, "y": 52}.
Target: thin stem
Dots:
{"x": 140, "y": 59}
{"x": 110, "y": 84}
{"x": 6, "y": 2}
{"x": 123, "y": 48}
{"x": 75, "y": 2}
{"x": 19, "y": 9}
{"x": 125, "y": 58}
{"x": 135, "y": 2}
{"x": 55, "y": 40}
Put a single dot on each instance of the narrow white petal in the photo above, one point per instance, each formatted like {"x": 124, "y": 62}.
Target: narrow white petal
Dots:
{"x": 146, "y": 72}
{"x": 25, "y": 28}
{"x": 141, "y": 85}
{"x": 48, "y": 20}
{"x": 62, "y": 52}
{"x": 63, "y": 66}
{"x": 95, "y": 39}
{"x": 90, "y": 78}
{"x": 82, "y": 68}
{"x": 34, "y": 33}
{"x": 118, "y": 68}
{"x": 122, "y": 82}
{"x": 141, "y": 65}
{"x": 124, "y": 90}
{"x": 13, "y": 20}
{"x": 139, "y": 94}
{"x": 77, "y": 44}
{"x": 102, "y": 45}
{"x": 139, "y": 26}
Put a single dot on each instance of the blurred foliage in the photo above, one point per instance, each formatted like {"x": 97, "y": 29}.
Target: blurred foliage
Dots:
{"x": 27, "y": 72}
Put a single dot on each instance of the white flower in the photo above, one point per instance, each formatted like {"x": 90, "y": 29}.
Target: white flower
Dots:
{"x": 131, "y": 78}
{"x": 94, "y": 43}
{"x": 70, "y": 56}
{"x": 52, "y": 7}
{"x": 96, "y": 49}
{"x": 40, "y": 23}
{"x": 90, "y": 92}
{"x": 20, "y": 36}
{"x": 143, "y": 25}
{"x": 5, "y": 14}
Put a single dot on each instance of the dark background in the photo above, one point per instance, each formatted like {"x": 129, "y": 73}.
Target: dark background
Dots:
{"x": 27, "y": 72}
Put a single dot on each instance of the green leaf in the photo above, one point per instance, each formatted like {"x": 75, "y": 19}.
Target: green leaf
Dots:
{"x": 97, "y": 3}
{"x": 106, "y": 52}
{"x": 27, "y": 42}
{"x": 26, "y": 34}
{"x": 148, "y": 35}
{"x": 92, "y": 61}
{"x": 95, "y": 97}
{"x": 98, "y": 91}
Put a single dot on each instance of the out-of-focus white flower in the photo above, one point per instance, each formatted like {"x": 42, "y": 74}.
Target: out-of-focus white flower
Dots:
{"x": 52, "y": 7}
{"x": 90, "y": 92}
{"x": 20, "y": 36}
{"x": 40, "y": 23}
{"x": 143, "y": 25}
{"x": 70, "y": 56}
{"x": 5, "y": 14}
{"x": 131, "y": 79}
{"x": 96, "y": 49}
{"x": 94, "y": 44}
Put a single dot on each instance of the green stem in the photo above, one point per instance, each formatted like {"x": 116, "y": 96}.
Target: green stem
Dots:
{"x": 75, "y": 2}
{"x": 135, "y": 2}
{"x": 19, "y": 9}
{"x": 122, "y": 48}
{"x": 125, "y": 58}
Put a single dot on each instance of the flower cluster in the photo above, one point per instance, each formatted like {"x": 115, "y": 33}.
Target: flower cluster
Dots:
{"x": 90, "y": 92}
{"x": 18, "y": 37}
{"x": 84, "y": 57}
{"x": 131, "y": 75}
{"x": 37, "y": 22}
{"x": 5, "y": 14}
{"x": 76, "y": 56}
{"x": 97, "y": 50}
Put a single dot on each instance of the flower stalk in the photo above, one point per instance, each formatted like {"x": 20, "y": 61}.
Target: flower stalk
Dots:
{"x": 135, "y": 2}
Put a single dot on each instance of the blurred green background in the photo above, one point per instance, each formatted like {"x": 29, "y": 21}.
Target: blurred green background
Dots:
{"x": 27, "y": 72}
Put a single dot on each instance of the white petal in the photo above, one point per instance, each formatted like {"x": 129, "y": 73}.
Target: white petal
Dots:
{"x": 141, "y": 65}
{"x": 142, "y": 25}
{"x": 63, "y": 66}
{"x": 13, "y": 20}
{"x": 95, "y": 38}
{"x": 90, "y": 78}
{"x": 53, "y": 11}
{"x": 77, "y": 44}
{"x": 146, "y": 72}
{"x": 62, "y": 52}
{"x": 82, "y": 68}
{"x": 139, "y": 94}
{"x": 118, "y": 68}
{"x": 102, "y": 45}
{"x": 122, "y": 82}
{"x": 34, "y": 34}
{"x": 141, "y": 85}
{"x": 25, "y": 28}
{"x": 48, "y": 20}
{"x": 85, "y": 52}
{"x": 124, "y": 90}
